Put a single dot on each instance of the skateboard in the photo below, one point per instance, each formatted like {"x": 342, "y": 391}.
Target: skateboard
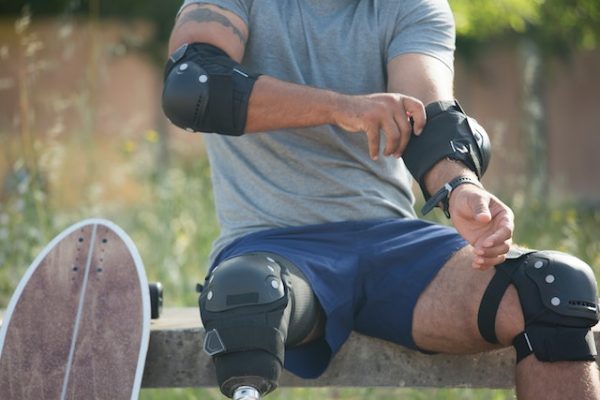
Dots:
{"x": 78, "y": 324}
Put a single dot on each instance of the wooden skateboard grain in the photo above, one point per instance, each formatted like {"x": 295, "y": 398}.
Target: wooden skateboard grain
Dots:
{"x": 37, "y": 344}
{"x": 77, "y": 329}
{"x": 111, "y": 325}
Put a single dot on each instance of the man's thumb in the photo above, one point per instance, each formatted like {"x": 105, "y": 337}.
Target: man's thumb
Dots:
{"x": 481, "y": 210}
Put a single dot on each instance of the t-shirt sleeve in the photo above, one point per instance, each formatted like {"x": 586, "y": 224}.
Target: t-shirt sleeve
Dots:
{"x": 426, "y": 27}
{"x": 238, "y": 7}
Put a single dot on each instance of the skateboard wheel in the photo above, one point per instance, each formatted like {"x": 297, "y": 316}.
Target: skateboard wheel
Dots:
{"x": 156, "y": 299}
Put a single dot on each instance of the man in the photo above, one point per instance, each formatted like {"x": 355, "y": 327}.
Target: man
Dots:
{"x": 313, "y": 105}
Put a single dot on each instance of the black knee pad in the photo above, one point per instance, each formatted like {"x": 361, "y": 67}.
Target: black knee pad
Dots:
{"x": 558, "y": 294}
{"x": 248, "y": 306}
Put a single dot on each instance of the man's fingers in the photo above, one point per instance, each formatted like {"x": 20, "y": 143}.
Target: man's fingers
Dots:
{"x": 390, "y": 114}
{"x": 373, "y": 140}
{"x": 485, "y": 263}
{"x": 392, "y": 138}
{"x": 485, "y": 257}
{"x": 401, "y": 120}
{"x": 499, "y": 249}
{"x": 415, "y": 109}
{"x": 501, "y": 235}
{"x": 481, "y": 210}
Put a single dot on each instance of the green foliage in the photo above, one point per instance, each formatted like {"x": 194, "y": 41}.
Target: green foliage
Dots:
{"x": 484, "y": 19}
{"x": 152, "y": 9}
{"x": 558, "y": 26}
{"x": 569, "y": 24}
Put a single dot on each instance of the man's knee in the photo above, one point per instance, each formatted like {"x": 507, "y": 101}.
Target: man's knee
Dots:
{"x": 252, "y": 306}
{"x": 558, "y": 297}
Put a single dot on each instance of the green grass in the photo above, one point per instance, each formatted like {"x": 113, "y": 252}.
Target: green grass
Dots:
{"x": 342, "y": 394}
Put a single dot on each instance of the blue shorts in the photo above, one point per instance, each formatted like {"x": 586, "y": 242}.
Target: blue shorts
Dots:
{"x": 367, "y": 276}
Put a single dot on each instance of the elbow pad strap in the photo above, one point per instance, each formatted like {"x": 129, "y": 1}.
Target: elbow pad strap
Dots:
{"x": 448, "y": 133}
{"x": 206, "y": 91}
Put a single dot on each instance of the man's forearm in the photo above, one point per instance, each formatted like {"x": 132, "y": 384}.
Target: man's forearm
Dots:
{"x": 275, "y": 104}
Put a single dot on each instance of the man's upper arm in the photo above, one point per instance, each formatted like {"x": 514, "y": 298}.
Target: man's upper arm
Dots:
{"x": 421, "y": 76}
{"x": 420, "y": 53}
{"x": 199, "y": 22}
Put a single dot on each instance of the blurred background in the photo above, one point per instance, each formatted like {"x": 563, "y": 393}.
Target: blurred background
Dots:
{"x": 82, "y": 135}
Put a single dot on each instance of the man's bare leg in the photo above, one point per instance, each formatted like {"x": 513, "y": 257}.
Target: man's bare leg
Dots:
{"x": 560, "y": 380}
{"x": 445, "y": 320}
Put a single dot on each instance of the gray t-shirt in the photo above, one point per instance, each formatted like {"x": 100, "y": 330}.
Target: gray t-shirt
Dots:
{"x": 320, "y": 174}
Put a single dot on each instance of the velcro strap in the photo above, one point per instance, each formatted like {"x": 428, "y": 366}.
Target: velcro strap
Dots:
{"x": 247, "y": 338}
{"x": 488, "y": 309}
{"x": 442, "y": 196}
{"x": 220, "y": 107}
{"x": 556, "y": 343}
{"x": 522, "y": 346}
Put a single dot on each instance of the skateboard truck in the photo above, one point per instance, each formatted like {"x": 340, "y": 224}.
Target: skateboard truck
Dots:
{"x": 156, "y": 299}
{"x": 246, "y": 393}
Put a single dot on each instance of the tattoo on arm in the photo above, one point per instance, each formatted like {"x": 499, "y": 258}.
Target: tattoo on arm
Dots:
{"x": 206, "y": 15}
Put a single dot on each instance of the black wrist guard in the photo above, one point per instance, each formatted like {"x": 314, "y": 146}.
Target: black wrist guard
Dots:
{"x": 448, "y": 133}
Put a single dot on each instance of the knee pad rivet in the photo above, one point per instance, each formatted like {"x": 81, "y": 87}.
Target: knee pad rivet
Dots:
{"x": 538, "y": 264}
{"x": 183, "y": 67}
{"x": 549, "y": 278}
{"x": 209, "y": 296}
{"x": 203, "y": 78}
{"x": 555, "y": 301}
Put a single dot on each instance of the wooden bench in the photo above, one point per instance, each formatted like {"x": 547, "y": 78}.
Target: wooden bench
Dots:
{"x": 175, "y": 359}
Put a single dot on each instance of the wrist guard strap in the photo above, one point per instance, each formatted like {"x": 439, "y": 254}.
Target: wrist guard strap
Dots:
{"x": 442, "y": 197}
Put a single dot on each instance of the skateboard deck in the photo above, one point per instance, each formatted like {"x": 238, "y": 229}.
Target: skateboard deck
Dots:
{"x": 78, "y": 324}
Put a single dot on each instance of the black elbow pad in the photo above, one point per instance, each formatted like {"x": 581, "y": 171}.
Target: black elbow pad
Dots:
{"x": 206, "y": 91}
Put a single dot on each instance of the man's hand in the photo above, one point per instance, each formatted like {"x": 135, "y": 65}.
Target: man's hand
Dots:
{"x": 387, "y": 113}
{"x": 484, "y": 221}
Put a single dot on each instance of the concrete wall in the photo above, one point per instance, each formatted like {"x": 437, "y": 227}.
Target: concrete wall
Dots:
{"x": 491, "y": 88}
{"x": 175, "y": 359}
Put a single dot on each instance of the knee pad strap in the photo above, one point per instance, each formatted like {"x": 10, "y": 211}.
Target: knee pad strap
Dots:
{"x": 555, "y": 343}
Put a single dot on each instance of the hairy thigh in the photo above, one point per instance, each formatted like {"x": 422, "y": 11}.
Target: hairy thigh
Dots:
{"x": 445, "y": 316}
